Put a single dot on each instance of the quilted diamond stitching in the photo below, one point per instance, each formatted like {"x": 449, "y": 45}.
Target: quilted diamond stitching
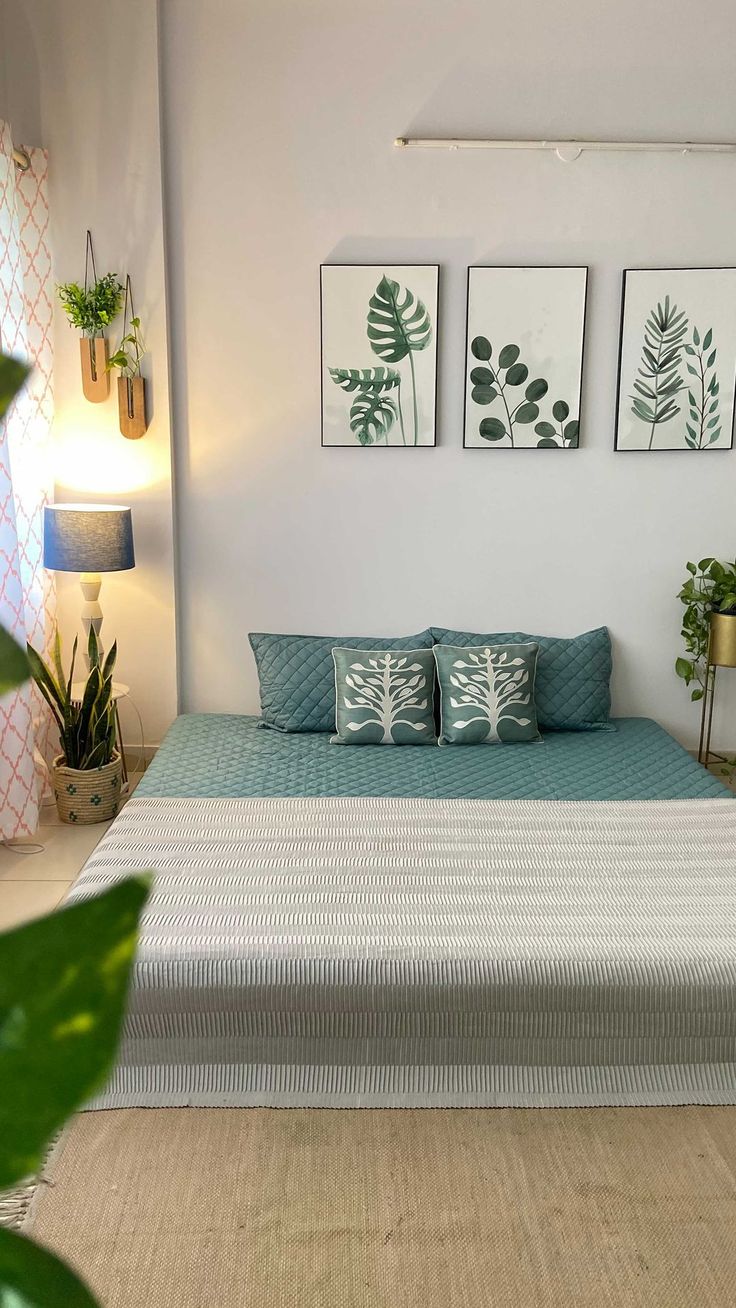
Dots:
{"x": 572, "y": 690}
{"x": 297, "y": 677}
{"x": 220, "y": 754}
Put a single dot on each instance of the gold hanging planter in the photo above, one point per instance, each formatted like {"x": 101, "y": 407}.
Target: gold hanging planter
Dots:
{"x": 93, "y": 352}
{"x": 132, "y": 407}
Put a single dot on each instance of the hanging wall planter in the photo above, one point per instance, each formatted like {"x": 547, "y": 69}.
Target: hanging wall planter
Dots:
{"x": 131, "y": 386}
{"x": 91, "y": 308}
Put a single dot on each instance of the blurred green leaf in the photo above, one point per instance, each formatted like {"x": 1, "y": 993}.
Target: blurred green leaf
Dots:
{"x": 12, "y": 375}
{"x": 63, "y": 982}
{"x": 32, "y": 1277}
{"x": 14, "y": 667}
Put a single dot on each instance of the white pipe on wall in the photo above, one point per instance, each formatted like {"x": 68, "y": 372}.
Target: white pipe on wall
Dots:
{"x": 568, "y": 151}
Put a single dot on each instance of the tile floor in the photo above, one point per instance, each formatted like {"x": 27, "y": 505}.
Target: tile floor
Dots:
{"x": 35, "y": 883}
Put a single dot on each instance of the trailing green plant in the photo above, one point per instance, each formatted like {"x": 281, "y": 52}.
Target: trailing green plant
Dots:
{"x": 710, "y": 587}
{"x": 567, "y": 435}
{"x": 91, "y": 309}
{"x": 127, "y": 357}
{"x": 659, "y": 379}
{"x": 63, "y": 987}
{"x": 491, "y": 382}
{"x": 704, "y": 427}
{"x": 87, "y": 725}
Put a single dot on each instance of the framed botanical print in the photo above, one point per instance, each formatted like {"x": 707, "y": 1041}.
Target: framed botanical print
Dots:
{"x": 677, "y": 359}
{"x": 524, "y": 357}
{"x": 379, "y": 354}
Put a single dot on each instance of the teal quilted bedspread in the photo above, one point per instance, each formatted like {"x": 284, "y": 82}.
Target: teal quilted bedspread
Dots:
{"x": 210, "y": 755}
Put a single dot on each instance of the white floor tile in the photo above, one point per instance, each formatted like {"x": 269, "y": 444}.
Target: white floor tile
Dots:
{"x": 21, "y": 900}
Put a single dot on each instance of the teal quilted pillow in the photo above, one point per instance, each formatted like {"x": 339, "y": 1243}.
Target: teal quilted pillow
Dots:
{"x": 384, "y": 697}
{"x": 487, "y": 694}
{"x": 297, "y": 676}
{"x": 573, "y": 676}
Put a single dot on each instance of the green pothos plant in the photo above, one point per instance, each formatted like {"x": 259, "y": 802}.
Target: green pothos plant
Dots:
{"x": 63, "y": 983}
{"x": 710, "y": 587}
{"x": 398, "y": 325}
{"x": 128, "y": 355}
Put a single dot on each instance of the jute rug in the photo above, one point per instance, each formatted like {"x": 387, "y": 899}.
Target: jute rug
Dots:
{"x": 218, "y": 1208}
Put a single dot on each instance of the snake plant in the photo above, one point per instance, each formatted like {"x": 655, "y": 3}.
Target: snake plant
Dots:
{"x": 87, "y": 725}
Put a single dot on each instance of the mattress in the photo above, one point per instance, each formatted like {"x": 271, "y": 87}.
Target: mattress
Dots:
{"x": 225, "y": 755}
{"x": 428, "y": 952}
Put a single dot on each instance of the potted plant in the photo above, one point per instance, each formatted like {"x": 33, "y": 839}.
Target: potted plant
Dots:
{"x": 131, "y": 386}
{"x": 87, "y": 773}
{"x": 709, "y": 596}
{"x": 91, "y": 308}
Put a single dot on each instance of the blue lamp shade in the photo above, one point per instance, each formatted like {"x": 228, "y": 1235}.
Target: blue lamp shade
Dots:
{"x": 81, "y": 538}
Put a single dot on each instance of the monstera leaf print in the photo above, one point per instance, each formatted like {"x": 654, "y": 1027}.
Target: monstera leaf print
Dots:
{"x": 365, "y": 379}
{"x": 398, "y": 326}
{"x": 372, "y": 416}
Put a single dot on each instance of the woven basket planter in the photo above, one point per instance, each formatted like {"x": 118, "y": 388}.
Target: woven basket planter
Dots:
{"x": 83, "y": 797}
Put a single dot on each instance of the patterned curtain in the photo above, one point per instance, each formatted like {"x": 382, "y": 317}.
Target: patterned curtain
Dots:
{"x": 26, "y": 590}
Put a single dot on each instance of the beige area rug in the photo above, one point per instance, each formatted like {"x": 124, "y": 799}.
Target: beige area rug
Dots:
{"x": 244, "y": 1208}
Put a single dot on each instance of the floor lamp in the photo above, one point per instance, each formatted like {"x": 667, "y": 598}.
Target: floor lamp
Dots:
{"x": 89, "y": 539}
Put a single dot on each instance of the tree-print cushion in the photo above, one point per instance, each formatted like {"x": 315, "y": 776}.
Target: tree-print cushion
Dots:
{"x": 297, "y": 676}
{"x": 573, "y": 686}
{"x": 384, "y": 697}
{"x": 487, "y": 694}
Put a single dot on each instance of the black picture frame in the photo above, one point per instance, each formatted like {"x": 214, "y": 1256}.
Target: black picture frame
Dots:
{"x": 674, "y": 449}
{"x": 354, "y": 444}
{"x": 575, "y": 267}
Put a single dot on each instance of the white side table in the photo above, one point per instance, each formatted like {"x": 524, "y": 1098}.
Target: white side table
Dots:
{"x": 119, "y": 691}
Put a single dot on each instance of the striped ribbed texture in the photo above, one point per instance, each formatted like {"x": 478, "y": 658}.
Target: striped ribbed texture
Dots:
{"x": 428, "y": 952}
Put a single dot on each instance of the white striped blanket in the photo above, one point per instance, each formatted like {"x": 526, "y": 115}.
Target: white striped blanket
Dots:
{"x": 428, "y": 952}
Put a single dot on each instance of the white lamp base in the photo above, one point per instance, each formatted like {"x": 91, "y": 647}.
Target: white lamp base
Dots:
{"x": 91, "y": 610}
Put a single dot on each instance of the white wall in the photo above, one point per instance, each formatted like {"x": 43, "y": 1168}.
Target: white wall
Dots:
{"x": 279, "y": 120}
{"x": 82, "y": 80}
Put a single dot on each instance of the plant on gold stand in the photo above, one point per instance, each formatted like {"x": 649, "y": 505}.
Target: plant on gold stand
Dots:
{"x": 709, "y": 632}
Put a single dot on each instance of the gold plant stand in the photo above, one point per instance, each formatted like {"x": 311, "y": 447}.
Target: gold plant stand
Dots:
{"x": 721, "y": 654}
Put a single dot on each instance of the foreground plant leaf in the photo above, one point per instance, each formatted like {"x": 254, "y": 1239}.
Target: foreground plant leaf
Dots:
{"x": 31, "y": 1277}
{"x": 12, "y": 375}
{"x": 14, "y": 669}
{"x": 63, "y": 982}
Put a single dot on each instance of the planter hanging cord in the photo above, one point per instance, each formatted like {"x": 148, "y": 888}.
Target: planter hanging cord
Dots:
{"x": 89, "y": 258}
{"x": 128, "y": 307}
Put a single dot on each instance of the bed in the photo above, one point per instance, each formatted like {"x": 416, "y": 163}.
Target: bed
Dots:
{"x": 542, "y": 924}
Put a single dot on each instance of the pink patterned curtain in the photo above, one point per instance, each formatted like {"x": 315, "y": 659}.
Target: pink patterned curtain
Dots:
{"x": 26, "y": 479}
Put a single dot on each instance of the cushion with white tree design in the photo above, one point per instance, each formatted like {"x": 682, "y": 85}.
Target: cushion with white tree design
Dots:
{"x": 487, "y": 694}
{"x": 384, "y": 697}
